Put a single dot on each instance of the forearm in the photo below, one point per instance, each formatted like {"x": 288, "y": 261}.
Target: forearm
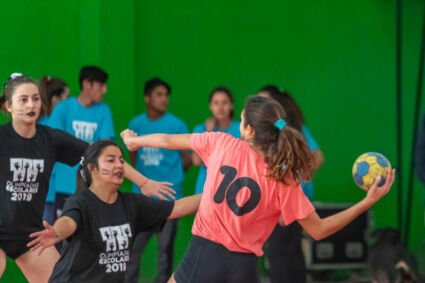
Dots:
{"x": 185, "y": 206}
{"x": 64, "y": 227}
{"x": 133, "y": 175}
{"x": 332, "y": 224}
{"x": 181, "y": 142}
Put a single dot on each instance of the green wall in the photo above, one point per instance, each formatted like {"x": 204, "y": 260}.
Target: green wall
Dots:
{"x": 336, "y": 57}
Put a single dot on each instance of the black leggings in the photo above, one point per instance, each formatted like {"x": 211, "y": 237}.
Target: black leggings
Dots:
{"x": 209, "y": 262}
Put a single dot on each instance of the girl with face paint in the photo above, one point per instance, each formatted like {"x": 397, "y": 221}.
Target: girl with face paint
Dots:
{"x": 100, "y": 223}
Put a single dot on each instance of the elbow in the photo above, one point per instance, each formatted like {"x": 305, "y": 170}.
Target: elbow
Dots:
{"x": 171, "y": 217}
{"x": 318, "y": 235}
{"x": 173, "y": 214}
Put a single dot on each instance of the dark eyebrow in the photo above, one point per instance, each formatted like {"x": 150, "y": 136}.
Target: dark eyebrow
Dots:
{"x": 111, "y": 155}
{"x": 26, "y": 95}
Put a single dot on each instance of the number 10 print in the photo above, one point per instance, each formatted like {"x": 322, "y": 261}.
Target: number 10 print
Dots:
{"x": 229, "y": 189}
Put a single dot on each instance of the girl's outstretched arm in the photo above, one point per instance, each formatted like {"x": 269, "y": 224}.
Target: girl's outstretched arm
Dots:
{"x": 147, "y": 186}
{"x": 321, "y": 228}
{"x": 133, "y": 142}
{"x": 185, "y": 206}
{"x": 63, "y": 228}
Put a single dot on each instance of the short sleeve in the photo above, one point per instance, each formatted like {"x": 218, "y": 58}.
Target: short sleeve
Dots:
{"x": 311, "y": 142}
{"x": 107, "y": 127}
{"x": 294, "y": 204}
{"x": 68, "y": 148}
{"x": 151, "y": 214}
{"x": 204, "y": 144}
{"x": 72, "y": 209}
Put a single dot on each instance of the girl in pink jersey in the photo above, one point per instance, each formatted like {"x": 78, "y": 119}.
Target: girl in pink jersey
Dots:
{"x": 250, "y": 184}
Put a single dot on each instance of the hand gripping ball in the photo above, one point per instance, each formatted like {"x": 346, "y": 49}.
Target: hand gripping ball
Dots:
{"x": 368, "y": 166}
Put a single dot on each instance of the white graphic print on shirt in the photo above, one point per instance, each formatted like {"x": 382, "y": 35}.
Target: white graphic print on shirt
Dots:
{"x": 151, "y": 156}
{"x": 117, "y": 247}
{"x": 84, "y": 130}
{"x": 24, "y": 183}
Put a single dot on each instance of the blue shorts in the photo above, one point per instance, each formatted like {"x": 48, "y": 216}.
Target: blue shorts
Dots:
{"x": 209, "y": 262}
{"x": 14, "y": 248}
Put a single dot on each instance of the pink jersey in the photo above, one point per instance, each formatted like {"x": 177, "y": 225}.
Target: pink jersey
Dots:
{"x": 240, "y": 206}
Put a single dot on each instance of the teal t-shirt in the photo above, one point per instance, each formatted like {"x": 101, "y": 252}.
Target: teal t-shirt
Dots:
{"x": 90, "y": 124}
{"x": 160, "y": 164}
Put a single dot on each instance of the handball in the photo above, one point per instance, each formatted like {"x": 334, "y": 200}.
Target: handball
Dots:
{"x": 368, "y": 166}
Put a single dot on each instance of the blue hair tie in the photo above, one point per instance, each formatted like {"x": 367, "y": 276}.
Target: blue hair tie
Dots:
{"x": 280, "y": 124}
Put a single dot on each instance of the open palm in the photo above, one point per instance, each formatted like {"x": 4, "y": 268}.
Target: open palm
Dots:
{"x": 43, "y": 239}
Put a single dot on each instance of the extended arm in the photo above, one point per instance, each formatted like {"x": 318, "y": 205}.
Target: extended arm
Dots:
{"x": 147, "y": 186}
{"x": 133, "y": 142}
{"x": 63, "y": 228}
{"x": 321, "y": 228}
{"x": 185, "y": 206}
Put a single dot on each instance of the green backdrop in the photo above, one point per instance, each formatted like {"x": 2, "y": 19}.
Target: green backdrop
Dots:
{"x": 336, "y": 57}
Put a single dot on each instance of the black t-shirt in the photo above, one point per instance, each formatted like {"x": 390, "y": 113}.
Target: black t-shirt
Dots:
{"x": 100, "y": 248}
{"x": 25, "y": 168}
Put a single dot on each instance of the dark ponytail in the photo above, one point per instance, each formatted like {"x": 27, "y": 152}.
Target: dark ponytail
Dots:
{"x": 285, "y": 150}
{"x": 3, "y": 99}
{"x": 49, "y": 88}
{"x": 89, "y": 161}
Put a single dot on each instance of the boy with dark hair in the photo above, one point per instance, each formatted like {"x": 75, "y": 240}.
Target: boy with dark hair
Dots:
{"x": 158, "y": 164}
{"x": 85, "y": 117}
{"x": 92, "y": 74}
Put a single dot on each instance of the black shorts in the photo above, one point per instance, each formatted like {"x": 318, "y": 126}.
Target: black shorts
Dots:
{"x": 14, "y": 248}
{"x": 209, "y": 262}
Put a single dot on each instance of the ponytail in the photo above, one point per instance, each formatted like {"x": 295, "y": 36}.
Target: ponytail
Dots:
{"x": 42, "y": 88}
{"x": 83, "y": 176}
{"x": 2, "y": 100}
{"x": 289, "y": 155}
{"x": 49, "y": 88}
{"x": 285, "y": 150}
